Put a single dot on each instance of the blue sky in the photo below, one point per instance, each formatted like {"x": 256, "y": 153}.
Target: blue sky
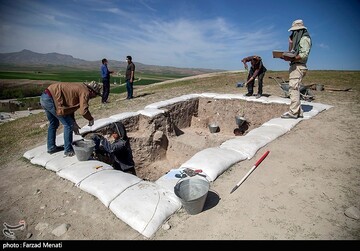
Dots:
{"x": 212, "y": 34}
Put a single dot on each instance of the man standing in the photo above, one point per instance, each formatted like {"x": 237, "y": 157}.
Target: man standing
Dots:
{"x": 129, "y": 77}
{"x": 299, "y": 46}
{"x": 257, "y": 70}
{"x": 105, "y": 75}
{"x": 60, "y": 101}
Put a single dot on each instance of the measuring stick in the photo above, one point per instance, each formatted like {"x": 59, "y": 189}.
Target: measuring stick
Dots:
{"x": 252, "y": 169}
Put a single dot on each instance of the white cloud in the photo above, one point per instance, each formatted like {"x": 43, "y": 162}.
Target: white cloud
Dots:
{"x": 324, "y": 46}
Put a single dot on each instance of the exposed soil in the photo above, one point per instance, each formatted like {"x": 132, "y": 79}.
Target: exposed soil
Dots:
{"x": 300, "y": 191}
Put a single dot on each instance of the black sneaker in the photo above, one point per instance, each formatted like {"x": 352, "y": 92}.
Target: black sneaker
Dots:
{"x": 248, "y": 94}
{"x": 56, "y": 149}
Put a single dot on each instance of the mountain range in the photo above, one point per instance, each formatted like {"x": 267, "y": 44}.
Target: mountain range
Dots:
{"x": 34, "y": 60}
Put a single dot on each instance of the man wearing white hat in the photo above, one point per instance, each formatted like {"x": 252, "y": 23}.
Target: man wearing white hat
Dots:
{"x": 299, "y": 46}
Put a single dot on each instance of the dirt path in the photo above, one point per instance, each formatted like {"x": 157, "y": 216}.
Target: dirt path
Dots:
{"x": 301, "y": 190}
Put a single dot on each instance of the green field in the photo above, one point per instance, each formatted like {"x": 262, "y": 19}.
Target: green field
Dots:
{"x": 21, "y": 91}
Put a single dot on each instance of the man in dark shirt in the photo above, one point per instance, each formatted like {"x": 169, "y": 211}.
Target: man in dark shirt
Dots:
{"x": 129, "y": 77}
{"x": 257, "y": 70}
{"x": 119, "y": 150}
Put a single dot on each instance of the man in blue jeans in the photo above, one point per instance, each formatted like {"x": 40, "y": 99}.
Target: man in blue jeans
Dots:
{"x": 129, "y": 77}
{"x": 60, "y": 101}
{"x": 105, "y": 75}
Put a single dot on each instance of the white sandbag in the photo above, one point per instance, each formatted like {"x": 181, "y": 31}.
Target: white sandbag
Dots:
{"x": 124, "y": 115}
{"x": 43, "y": 148}
{"x": 169, "y": 180}
{"x": 312, "y": 109}
{"x": 310, "y": 114}
{"x": 44, "y": 157}
{"x": 246, "y": 145}
{"x": 59, "y": 140}
{"x": 145, "y": 207}
{"x": 237, "y": 96}
{"x": 151, "y": 112}
{"x": 83, "y": 169}
{"x": 269, "y": 131}
{"x": 107, "y": 185}
{"x": 208, "y": 95}
{"x": 172, "y": 101}
{"x": 60, "y": 162}
{"x": 241, "y": 97}
{"x": 223, "y": 96}
{"x": 278, "y": 100}
{"x": 287, "y": 124}
{"x": 35, "y": 151}
{"x": 164, "y": 103}
{"x": 321, "y": 107}
{"x": 99, "y": 123}
{"x": 190, "y": 96}
{"x": 214, "y": 161}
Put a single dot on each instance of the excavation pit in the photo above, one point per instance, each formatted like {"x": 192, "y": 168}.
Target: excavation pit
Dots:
{"x": 165, "y": 141}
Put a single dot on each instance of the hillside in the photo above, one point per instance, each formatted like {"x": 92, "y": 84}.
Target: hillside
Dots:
{"x": 30, "y": 60}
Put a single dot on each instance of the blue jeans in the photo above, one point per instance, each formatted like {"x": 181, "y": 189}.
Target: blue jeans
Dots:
{"x": 48, "y": 104}
{"x": 129, "y": 89}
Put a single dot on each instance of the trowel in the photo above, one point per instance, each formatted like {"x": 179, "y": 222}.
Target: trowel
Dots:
{"x": 191, "y": 172}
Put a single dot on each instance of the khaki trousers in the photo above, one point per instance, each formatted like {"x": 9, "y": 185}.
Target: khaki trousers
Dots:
{"x": 296, "y": 74}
